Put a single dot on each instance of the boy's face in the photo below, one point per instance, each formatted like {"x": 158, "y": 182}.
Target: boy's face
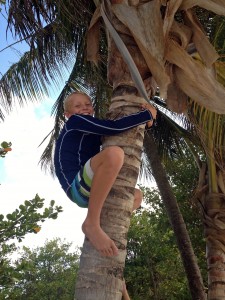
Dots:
{"x": 79, "y": 104}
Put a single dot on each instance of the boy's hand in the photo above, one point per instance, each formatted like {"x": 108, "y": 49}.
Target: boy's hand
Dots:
{"x": 150, "y": 86}
{"x": 152, "y": 110}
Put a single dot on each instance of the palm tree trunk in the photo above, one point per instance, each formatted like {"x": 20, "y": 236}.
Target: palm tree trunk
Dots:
{"x": 183, "y": 241}
{"x": 215, "y": 249}
{"x": 101, "y": 278}
{"x": 212, "y": 201}
{"x": 211, "y": 195}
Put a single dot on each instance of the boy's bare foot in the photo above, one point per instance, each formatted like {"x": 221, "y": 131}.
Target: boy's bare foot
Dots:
{"x": 99, "y": 239}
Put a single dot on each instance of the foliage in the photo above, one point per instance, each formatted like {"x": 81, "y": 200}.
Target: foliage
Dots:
{"x": 26, "y": 218}
{"x": 7, "y": 273}
{"x": 16, "y": 225}
{"x": 5, "y": 148}
{"x": 154, "y": 269}
{"x": 46, "y": 273}
{"x": 183, "y": 175}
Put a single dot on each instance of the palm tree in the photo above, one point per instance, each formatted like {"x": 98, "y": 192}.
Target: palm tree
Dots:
{"x": 211, "y": 193}
{"x": 56, "y": 32}
{"x": 165, "y": 142}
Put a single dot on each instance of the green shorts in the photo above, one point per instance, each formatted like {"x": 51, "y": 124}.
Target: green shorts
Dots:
{"x": 81, "y": 185}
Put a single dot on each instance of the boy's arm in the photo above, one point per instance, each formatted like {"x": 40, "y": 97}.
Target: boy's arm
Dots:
{"x": 152, "y": 110}
{"x": 89, "y": 124}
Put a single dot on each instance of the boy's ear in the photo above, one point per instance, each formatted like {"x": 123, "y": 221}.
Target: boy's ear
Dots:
{"x": 67, "y": 114}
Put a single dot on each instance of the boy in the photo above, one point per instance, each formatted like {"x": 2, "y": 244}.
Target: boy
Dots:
{"x": 87, "y": 174}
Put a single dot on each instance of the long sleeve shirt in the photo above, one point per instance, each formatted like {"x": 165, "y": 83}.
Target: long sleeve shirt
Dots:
{"x": 80, "y": 139}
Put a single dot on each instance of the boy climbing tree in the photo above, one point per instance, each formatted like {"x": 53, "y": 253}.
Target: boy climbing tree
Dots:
{"x": 87, "y": 174}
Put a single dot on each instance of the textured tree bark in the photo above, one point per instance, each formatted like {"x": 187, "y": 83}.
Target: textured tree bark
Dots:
{"x": 177, "y": 222}
{"x": 211, "y": 197}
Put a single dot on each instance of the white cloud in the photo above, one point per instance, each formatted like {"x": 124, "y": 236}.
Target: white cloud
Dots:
{"x": 22, "y": 177}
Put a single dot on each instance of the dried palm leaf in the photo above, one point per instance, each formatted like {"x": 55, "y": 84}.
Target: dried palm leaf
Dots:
{"x": 146, "y": 26}
{"x": 181, "y": 33}
{"x": 93, "y": 38}
{"x": 176, "y": 100}
{"x": 172, "y": 7}
{"x": 195, "y": 80}
{"x": 201, "y": 41}
{"x": 216, "y": 6}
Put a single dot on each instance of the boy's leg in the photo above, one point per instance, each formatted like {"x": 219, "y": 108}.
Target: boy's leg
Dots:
{"x": 106, "y": 166}
{"x": 125, "y": 295}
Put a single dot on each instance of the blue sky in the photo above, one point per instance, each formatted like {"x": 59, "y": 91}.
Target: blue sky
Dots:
{"x": 8, "y": 57}
{"x": 12, "y": 54}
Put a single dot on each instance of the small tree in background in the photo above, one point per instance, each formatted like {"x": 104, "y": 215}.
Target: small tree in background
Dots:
{"x": 45, "y": 273}
{"x": 154, "y": 267}
{"x": 25, "y": 219}
{"x": 5, "y": 148}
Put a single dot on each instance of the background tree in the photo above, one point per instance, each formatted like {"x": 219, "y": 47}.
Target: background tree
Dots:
{"x": 26, "y": 219}
{"x": 167, "y": 143}
{"x": 47, "y": 272}
{"x": 153, "y": 266}
{"x": 5, "y": 148}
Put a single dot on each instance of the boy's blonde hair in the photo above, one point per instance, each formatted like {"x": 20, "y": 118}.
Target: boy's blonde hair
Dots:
{"x": 67, "y": 99}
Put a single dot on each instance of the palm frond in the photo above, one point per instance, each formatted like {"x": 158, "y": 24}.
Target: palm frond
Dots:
{"x": 218, "y": 35}
{"x": 27, "y": 17}
{"x": 170, "y": 128}
{"x": 174, "y": 136}
{"x": 26, "y": 81}
{"x": 53, "y": 31}
{"x": 211, "y": 130}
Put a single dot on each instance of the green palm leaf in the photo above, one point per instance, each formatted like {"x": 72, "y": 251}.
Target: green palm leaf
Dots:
{"x": 54, "y": 32}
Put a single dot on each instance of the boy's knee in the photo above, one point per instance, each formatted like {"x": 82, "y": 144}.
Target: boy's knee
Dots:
{"x": 138, "y": 195}
{"x": 115, "y": 155}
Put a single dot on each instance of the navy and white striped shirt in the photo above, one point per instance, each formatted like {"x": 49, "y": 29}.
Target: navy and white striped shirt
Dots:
{"x": 80, "y": 139}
